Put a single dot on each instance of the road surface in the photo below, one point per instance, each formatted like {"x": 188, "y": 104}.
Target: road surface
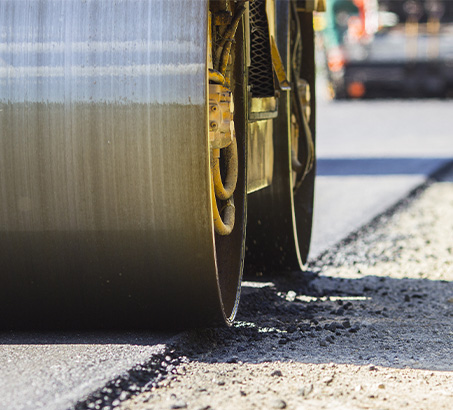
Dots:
{"x": 370, "y": 155}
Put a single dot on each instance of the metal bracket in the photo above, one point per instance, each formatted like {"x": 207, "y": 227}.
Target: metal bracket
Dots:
{"x": 221, "y": 108}
{"x": 279, "y": 68}
{"x": 311, "y": 5}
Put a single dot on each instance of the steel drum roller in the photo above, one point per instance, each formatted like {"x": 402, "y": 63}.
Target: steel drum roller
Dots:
{"x": 105, "y": 184}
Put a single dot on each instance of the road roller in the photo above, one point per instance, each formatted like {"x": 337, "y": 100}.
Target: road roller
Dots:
{"x": 138, "y": 139}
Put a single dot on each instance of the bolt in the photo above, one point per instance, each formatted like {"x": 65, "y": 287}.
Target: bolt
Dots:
{"x": 213, "y": 125}
{"x": 213, "y": 108}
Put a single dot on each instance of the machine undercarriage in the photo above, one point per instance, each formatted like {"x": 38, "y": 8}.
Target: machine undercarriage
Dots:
{"x": 134, "y": 133}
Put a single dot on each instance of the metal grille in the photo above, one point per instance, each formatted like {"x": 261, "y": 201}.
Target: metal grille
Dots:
{"x": 261, "y": 75}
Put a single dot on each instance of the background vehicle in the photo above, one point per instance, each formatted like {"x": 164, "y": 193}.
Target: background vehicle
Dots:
{"x": 132, "y": 133}
{"x": 389, "y": 47}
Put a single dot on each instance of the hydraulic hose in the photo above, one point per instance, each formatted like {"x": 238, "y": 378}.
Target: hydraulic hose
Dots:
{"x": 223, "y": 227}
{"x": 225, "y": 191}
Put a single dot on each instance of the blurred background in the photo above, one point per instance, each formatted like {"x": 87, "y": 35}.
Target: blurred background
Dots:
{"x": 401, "y": 48}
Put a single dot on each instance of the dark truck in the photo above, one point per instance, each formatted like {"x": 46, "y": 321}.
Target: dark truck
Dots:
{"x": 401, "y": 48}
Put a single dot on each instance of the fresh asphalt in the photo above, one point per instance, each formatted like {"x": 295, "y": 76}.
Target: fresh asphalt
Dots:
{"x": 371, "y": 155}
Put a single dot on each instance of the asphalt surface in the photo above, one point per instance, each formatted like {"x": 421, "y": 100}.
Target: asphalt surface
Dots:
{"x": 55, "y": 370}
{"x": 371, "y": 154}
{"x": 372, "y": 330}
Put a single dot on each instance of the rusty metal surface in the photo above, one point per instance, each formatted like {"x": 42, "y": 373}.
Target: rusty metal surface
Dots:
{"x": 105, "y": 213}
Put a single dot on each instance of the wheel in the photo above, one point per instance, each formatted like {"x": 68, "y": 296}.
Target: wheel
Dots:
{"x": 229, "y": 163}
{"x": 105, "y": 166}
{"x": 280, "y": 216}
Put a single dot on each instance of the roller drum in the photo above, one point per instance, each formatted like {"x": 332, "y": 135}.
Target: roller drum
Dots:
{"x": 105, "y": 201}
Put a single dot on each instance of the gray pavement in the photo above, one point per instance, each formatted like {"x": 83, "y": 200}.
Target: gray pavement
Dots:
{"x": 53, "y": 371}
{"x": 371, "y": 154}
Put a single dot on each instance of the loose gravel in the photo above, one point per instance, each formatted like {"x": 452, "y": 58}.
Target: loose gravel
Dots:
{"x": 368, "y": 326}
